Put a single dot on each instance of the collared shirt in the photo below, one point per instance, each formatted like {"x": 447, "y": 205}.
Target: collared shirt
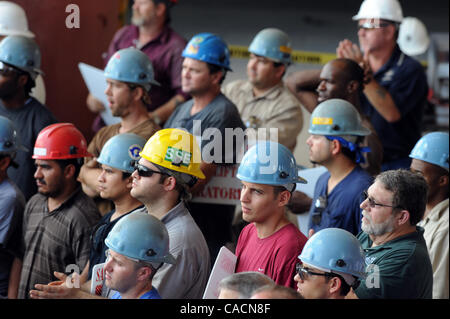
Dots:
{"x": 186, "y": 279}
{"x": 405, "y": 80}
{"x": 165, "y": 53}
{"x": 55, "y": 241}
{"x": 437, "y": 239}
{"x": 398, "y": 269}
{"x": 276, "y": 108}
{"x": 151, "y": 294}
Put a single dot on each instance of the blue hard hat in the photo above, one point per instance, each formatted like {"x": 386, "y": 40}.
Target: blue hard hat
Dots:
{"x": 432, "y": 148}
{"x": 132, "y": 66}
{"x": 121, "y": 150}
{"x": 336, "y": 117}
{"x": 22, "y": 53}
{"x": 273, "y": 44}
{"x": 269, "y": 163}
{"x": 209, "y": 48}
{"x": 9, "y": 137}
{"x": 140, "y": 236}
{"x": 335, "y": 250}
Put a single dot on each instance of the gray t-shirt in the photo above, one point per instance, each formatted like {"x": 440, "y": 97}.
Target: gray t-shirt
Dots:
{"x": 211, "y": 126}
{"x": 28, "y": 120}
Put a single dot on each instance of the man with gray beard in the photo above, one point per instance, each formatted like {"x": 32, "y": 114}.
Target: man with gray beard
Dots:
{"x": 398, "y": 265}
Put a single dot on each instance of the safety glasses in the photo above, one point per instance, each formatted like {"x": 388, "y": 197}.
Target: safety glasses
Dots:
{"x": 372, "y": 25}
{"x": 373, "y": 203}
{"x": 303, "y": 272}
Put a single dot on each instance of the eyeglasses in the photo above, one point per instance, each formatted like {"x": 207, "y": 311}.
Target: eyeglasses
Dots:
{"x": 144, "y": 171}
{"x": 372, "y": 25}
{"x": 303, "y": 272}
{"x": 373, "y": 203}
{"x": 319, "y": 207}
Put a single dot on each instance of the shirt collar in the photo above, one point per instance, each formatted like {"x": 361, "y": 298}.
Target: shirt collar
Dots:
{"x": 163, "y": 37}
{"x": 178, "y": 210}
{"x": 436, "y": 213}
{"x": 270, "y": 94}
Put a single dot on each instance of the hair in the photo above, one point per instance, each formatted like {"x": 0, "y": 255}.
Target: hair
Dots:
{"x": 410, "y": 191}
{"x": 168, "y": 5}
{"x": 76, "y": 162}
{"x": 245, "y": 283}
{"x": 126, "y": 175}
{"x": 181, "y": 186}
{"x": 215, "y": 68}
{"x": 345, "y": 287}
{"x": 145, "y": 94}
{"x": 150, "y": 265}
{"x": 279, "y": 292}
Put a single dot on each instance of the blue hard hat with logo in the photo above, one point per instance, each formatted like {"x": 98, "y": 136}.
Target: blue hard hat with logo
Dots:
{"x": 209, "y": 48}
{"x": 433, "y": 148}
{"x": 22, "y": 53}
{"x": 9, "y": 137}
{"x": 336, "y": 117}
{"x": 132, "y": 66}
{"x": 335, "y": 250}
{"x": 269, "y": 163}
{"x": 140, "y": 236}
{"x": 272, "y": 43}
{"x": 121, "y": 150}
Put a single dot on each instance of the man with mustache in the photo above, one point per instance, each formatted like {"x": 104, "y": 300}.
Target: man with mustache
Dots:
{"x": 57, "y": 220}
{"x": 151, "y": 33}
{"x": 398, "y": 264}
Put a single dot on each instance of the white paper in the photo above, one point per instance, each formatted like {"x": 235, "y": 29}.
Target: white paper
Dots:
{"x": 96, "y": 84}
{"x": 97, "y": 280}
{"x": 223, "y": 267}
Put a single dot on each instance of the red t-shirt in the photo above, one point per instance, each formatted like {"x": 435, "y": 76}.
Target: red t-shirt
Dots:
{"x": 274, "y": 256}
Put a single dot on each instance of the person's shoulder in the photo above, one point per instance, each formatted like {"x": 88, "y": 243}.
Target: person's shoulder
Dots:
{"x": 236, "y": 85}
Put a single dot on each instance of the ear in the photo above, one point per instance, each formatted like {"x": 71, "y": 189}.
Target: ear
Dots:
{"x": 336, "y": 147}
{"x": 160, "y": 9}
{"x": 443, "y": 181}
{"x": 334, "y": 285}
{"x": 279, "y": 71}
{"x": 283, "y": 198}
{"x": 4, "y": 163}
{"x": 216, "y": 77}
{"x": 69, "y": 171}
{"x": 144, "y": 273}
{"x": 352, "y": 87}
{"x": 403, "y": 217}
{"x": 169, "y": 183}
{"x": 138, "y": 93}
{"x": 22, "y": 80}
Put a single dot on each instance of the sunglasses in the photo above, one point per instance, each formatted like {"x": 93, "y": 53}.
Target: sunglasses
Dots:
{"x": 373, "y": 203}
{"x": 144, "y": 171}
{"x": 319, "y": 207}
{"x": 372, "y": 25}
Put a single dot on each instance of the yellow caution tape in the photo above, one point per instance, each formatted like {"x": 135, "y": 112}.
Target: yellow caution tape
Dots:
{"x": 303, "y": 57}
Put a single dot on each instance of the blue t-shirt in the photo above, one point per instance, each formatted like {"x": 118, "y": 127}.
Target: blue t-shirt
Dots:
{"x": 342, "y": 208}
{"x": 152, "y": 294}
{"x": 404, "y": 78}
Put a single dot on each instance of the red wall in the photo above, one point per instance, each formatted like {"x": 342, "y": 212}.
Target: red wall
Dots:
{"x": 62, "y": 48}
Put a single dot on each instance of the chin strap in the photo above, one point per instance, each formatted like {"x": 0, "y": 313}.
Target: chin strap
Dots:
{"x": 352, "y": 147}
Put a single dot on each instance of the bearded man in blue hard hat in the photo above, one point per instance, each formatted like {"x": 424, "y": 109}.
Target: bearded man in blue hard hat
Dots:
{"x": 331, "y": 263}
{"x": 130, "y": 77}
{"x": 270, "y": 243}
{"x": 205, "y": 65}
{"x": 20, "y": 64}
{"x": 430, "y": 158}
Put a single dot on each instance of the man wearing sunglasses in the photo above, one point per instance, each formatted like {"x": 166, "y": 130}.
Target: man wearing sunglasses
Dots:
{"x": 396, "y": 90}
{"x": 331, "y": 262}
{"x": 168, "y": 168}
{"x": 20, "y": 62}
{"x": 398, "y": 264}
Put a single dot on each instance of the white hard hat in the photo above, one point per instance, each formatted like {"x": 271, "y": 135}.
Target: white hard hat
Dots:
{"x": 13, "y": 20}
{"x": 413, "y": 36}
{"x": 380, "y": 9}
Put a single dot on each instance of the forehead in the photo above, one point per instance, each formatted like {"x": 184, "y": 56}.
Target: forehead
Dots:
{"x": 262, "y": 187}
{"x": 331, "y": 70}
{"x": 420, "y": 166}
{"x": 147, "y": 163}
{"x": 378, "y": 189}
{"x": 195, "y": 63}
{"x": 50, "y": 163}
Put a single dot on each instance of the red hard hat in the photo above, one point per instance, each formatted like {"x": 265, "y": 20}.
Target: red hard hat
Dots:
{"x": 60, "y": 141}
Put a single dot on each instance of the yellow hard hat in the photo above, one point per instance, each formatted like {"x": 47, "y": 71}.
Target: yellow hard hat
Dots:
{"x": 176, "y": 150}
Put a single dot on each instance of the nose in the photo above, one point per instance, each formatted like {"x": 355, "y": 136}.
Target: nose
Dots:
{"x": 321, "y": 86}
{"x": 135, "y": 174}
{"x": 244, "y": 195}
{"x": 108, "y": 89}
{"x": 38, "y": 173}
{"x": 309, "y": 141}
{"x": 101, "y": 177}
